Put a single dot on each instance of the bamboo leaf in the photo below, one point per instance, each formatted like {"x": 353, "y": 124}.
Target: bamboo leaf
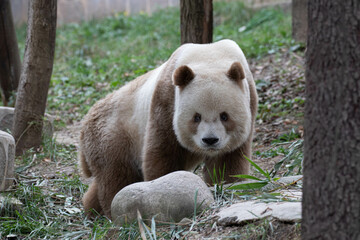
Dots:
{"x": 247, "y": 186}
{"x": 259, "y": 168}
{"x": 246, "y": 176}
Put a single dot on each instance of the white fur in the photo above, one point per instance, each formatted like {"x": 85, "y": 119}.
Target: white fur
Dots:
{"x": 143, "y": 99}
{"x": 217, "y": 56}
{"x": 210, "y": 99}
{"x": 132, "y": 107}
{"x": 210, "y": 93}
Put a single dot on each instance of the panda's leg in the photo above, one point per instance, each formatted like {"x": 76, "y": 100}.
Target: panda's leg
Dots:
{"x": 117, "y": 165}
{"x": 91, "y": 201}
{"x": 159, "y": 162}
{"x": 162, "y": 155}
{"x": 116, "y": 177}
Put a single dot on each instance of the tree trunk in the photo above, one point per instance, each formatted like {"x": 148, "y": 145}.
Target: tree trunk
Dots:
{"x": 9, "y": 53}
{"x": 299, "y": 20}
{"x": 331, "y": 190}
{"x": 35, "y": 74}
{"x": 196, "y": 21}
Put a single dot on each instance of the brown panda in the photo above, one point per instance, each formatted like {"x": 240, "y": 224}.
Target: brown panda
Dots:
{"x": 199, "y": 106}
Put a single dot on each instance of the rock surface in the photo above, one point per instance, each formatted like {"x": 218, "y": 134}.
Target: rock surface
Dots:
{"x": 288, "y": 188}
{"x": 7, "y": 157}
{"x": 7, "y": 118}
{"x": 253, "y": 210}
{"x": 169, "y": 198}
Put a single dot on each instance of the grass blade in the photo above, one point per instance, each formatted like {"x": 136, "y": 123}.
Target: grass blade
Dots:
{"x": 153, "y": 227}
{"x": 142, "y": 227}
{"x": 195, "y": 201}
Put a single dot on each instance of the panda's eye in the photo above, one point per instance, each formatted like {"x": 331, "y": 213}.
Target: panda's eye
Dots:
{"x": 224, "y": 116}
{"x": 197, "y": 117}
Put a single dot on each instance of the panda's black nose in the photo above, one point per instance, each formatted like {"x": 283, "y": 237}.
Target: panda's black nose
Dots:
{"x": 210, "y": 141}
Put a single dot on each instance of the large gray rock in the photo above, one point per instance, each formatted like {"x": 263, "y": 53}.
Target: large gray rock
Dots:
{"x": 7, "y": 118}
{"x": 243, "y": 212}
{"x": 7, "y": 157}
{"x": 169, "y": 198}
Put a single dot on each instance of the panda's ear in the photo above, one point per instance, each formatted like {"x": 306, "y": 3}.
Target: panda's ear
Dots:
{"x": 182, "y": 76}
{"x": 236, "y": 72}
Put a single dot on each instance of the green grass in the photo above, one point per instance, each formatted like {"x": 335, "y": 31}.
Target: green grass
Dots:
{"x": 257, "y": 32}
{"x": 278, "y": 108}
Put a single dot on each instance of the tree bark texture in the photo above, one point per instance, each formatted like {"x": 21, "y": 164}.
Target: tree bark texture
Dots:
{"x": 299, "y": 20}
{"x": 35, "y": 74}
{"x": 196, "y": 21}
{"x": 10, "y": 65}
{"x": 331, "y": 189}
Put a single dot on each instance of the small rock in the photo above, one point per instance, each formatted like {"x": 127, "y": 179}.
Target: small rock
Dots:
{"x": 8, "y": 205}
{"x": 291, "y": 179}
{"x": 11, "y": 237}
{"x": 185, "y": 221}
{"x": 253, "y": 210}
{"x": 7, "y": 157}
{"x": 169, "y": 198}
{"x": 296, "y": 180}
{"x": 7, "y": 118}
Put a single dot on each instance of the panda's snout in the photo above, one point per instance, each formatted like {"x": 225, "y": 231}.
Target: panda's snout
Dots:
{"x": 210, "y": 140}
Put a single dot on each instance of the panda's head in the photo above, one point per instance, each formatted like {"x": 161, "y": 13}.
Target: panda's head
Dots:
{"x": 212, "y": 109}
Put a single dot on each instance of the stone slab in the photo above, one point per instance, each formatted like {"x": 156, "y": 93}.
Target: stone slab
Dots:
{"x": 249, "y": 211}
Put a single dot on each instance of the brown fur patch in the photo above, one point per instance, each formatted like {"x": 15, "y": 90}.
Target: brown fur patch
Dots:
{"x": 91, "y": 201}
{"x": 193, "y": 126}
{"x": 236, "y": 72}
{"x": 233, "y": 162}
{"x": 229, "y": 125}
{"x": 84, "y": 166}
{"x": 163, "y": 153}
{"x": 183, "y": 76}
